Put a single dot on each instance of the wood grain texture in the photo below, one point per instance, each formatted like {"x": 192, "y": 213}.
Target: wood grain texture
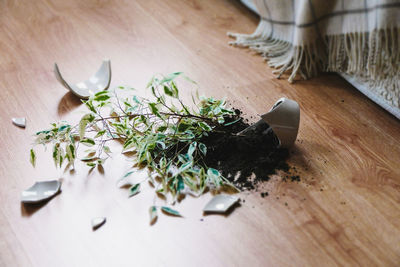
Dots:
{"x": 344, "y": 212}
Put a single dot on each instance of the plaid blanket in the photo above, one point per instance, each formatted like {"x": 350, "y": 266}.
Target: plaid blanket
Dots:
{"x": 360, "y": 38}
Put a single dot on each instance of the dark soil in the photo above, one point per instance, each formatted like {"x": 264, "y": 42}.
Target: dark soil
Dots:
{"x": 245, "y": 160}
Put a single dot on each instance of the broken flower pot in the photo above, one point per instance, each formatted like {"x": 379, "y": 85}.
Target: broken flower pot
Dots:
{"x": 283, "y": 119}
{"x": 100, "y": 81}
{"x": 41, "y": 191}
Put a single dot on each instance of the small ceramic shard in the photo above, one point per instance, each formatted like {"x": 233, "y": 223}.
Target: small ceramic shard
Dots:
{"x": 41, "y": 191}
{"x": 220, "y": 203}
{"x": 20, "y": 122}
{"x": 100, "y": 81}
{"x": 98, "y": 222}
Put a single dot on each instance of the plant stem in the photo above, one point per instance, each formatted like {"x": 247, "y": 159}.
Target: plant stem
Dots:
{"x": 151, "y": 114}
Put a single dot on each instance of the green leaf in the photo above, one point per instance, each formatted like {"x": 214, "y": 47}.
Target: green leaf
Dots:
{"x": 134, "y": 190}
{"x": 153, "y": 214}
{"x": 153, "y": 91}
{"x": 64, "y": 127}
{"x": 32, "y": 157}
{"x": 91, "y": 164}
{"x": 160, "y": 145}
{"x": 70, "y": 149}
{"x": 72, "y": 138}
{"x": 192, "y": 148}
{"x": 56, "y": 157}
{"x": 61, "y": 155}
{"x": 89, "y": 105}
{"x": 183, "y": 126}
{"x": 136, "y": 99}
{"x": 43, "y": 132}
{"x": 170, "y": 77}
{"x": 129, "y": 143}
{"x": 88, "y": 142}
{"x": 185, "y": 166}
{"x": 175, "y": 90}
{"x": 149, "y": 158}
{"x": 215, "y": 176}
{"x": 232, "y": 122}
{"x": 126, "y": 103}
{"x": 205, "y": 126}
{"x": 203, "y": 148}
{"x": 150, "y": 82}
{"x": 190, "y": 183}
{"x": 203, "y": 177}
{"x": 160, "y": 136}
{"x": 101, "y": 98}
{"x": 106, "y": 149}
{"x": 188, "y": 135}
{"x": 101, "y": 161}
{"x": 162, "y": 163}
{"x": 170, "y": 211}
{"x": 212, "y": 171}
{"x": 182, "y": 158}
{"x": 104, "y": 92}
{"x": 83, "y": 123}
{"x": 188, "y": 79}
{"x": 227, "y": 111}
{"x": 154, "y": 109}
{"x": 162, "y": 128}
{"x": 168, "y": 91}
{"x": 127, "y": 174}
{"x": 100, "y": 133}
{"x": 90, "y": 157}
{"x": 181, "y": 185}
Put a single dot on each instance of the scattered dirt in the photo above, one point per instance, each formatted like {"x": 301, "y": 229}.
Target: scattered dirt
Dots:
{"x": 245, "y": 160}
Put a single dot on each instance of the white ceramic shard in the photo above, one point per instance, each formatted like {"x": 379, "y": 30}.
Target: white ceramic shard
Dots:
{"x": 284, "y": 119}
{"x": 220, "y": 203}
{"x": 20, "y": 122}
{"x": 98, "y": 222}
{"x": 100, "y": 81}
{"x": 40, "y": 191}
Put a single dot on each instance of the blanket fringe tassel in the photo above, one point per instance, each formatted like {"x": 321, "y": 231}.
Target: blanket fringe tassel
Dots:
{"x": 371, "y": 57}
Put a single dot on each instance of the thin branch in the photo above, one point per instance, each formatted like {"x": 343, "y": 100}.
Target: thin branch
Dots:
{"x": 151, "y": 114}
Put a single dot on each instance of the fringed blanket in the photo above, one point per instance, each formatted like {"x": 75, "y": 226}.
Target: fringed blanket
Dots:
{"x": 359, "y": 38}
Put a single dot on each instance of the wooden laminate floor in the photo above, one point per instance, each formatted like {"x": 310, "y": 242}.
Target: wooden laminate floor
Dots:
{"x": 345, "y": 210}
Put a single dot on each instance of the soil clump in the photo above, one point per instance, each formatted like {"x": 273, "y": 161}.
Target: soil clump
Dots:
{"x": 244, "y": 159}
